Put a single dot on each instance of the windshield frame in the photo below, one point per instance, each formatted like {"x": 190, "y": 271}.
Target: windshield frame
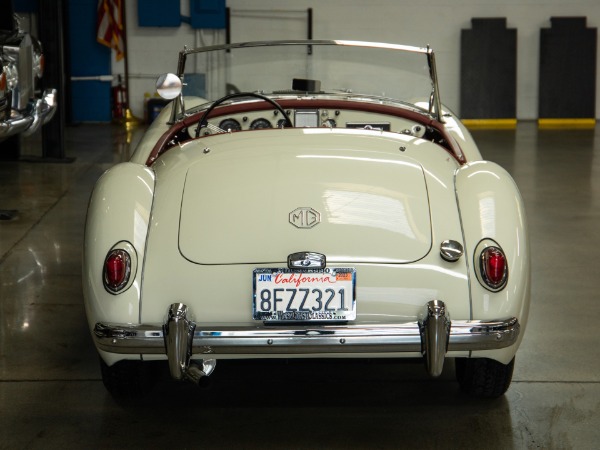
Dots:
{"x": 434, "y": 107}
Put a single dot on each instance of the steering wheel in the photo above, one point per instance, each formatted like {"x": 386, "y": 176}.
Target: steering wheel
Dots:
{"x": 288, "y": 122}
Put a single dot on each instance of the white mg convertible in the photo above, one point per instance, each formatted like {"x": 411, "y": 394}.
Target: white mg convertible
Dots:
{"x": 323, "y": 203}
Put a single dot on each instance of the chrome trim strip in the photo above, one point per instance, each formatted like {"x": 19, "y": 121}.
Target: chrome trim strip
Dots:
{"x": 466, "y": 335}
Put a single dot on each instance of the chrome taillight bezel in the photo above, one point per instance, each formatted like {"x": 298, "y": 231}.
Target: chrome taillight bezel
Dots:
{"x": 127, "y": 253}
{"x": 123, "y": 256}
{"x": 482, "y": 252}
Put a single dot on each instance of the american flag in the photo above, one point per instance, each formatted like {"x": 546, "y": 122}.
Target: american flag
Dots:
{"x": 110, "y": 26}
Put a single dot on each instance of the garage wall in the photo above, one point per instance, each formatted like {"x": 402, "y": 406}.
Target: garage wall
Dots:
{"x": 434, "y": 22}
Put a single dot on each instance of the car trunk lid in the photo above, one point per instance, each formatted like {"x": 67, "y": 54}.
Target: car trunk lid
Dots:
{"x": 351, "y": 196}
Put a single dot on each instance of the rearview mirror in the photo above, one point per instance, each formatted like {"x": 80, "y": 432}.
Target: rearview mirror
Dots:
{"x": 168, "y": 86}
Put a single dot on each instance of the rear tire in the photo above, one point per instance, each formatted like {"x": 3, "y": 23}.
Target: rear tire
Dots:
{"x": 483, "y": 377}
{"x": 127, "y": 379}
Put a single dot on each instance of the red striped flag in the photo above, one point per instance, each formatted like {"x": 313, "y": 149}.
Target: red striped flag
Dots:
{"x": 110, "y": 26}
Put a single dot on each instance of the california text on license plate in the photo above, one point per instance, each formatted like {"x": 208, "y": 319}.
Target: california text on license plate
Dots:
{"x": 292, "y": 295}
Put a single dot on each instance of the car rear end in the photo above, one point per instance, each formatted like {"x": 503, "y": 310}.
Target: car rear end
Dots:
{"x": 332, "y": 239}
{"x": 300, "y": 243}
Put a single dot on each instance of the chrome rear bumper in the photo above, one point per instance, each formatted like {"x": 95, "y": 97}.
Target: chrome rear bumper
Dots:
{"x": 433, "y": 335}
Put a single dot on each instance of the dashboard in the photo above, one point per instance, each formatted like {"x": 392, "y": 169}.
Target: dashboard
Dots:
{"x": 309, "y": 112}
{"x": 312, "y": 118}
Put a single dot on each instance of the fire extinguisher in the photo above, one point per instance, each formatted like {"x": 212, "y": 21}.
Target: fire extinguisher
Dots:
{"x": 119, "y": 96}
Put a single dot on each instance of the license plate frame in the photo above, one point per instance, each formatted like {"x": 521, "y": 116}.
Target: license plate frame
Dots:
{"x": 292, "y": 295}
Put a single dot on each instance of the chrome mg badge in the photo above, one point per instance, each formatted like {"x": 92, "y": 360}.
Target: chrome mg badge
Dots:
{"x": 305, "y": 217}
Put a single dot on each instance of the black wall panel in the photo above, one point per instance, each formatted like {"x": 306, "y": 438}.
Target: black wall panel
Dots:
{"x": 52, "y": 35}
{"x": 567, "y": 86}
{"x": 488, "y": 70}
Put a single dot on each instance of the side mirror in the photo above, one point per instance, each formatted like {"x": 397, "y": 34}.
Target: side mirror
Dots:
{"x": 168, "y": 86}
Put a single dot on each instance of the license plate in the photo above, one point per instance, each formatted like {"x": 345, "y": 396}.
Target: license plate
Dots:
{"x": 282, "y": 295}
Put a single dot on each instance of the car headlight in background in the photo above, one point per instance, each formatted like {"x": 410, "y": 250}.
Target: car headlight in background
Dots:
{"x": 12, "y": 75}
{"x": 38, "y": 64}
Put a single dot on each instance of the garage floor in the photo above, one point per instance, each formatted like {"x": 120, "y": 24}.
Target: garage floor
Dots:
{"x": 51, "y": 394}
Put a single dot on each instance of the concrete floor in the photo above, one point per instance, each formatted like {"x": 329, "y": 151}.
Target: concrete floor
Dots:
{"x": 51, "y": 394}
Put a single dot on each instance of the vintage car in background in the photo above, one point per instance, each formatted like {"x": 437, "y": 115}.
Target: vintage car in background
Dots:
{"x": 23, "y": 107}
{"x": 323, "y": 203}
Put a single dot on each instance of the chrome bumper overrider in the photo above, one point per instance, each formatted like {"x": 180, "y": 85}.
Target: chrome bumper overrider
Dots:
{"x": 38, "y": 113}
{"x": 433, "y": 335}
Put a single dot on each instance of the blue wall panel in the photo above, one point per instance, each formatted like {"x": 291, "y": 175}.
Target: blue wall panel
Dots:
{"x": 207, "y": 13}
{"x": 158, "y": 13}
{"x": 90, "y": 100}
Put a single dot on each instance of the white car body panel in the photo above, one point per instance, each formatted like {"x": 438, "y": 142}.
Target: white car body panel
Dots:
{"x": 486, "y": 191}
{"x": 234, "y": 304}
{"x": 120, "y": 206}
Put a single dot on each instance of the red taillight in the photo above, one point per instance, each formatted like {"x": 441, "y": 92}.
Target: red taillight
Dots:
{"x": 42, "y": 66}
{"x": 2, "y": 82}
{"x": 117, "y": 267}
{"x": 494, "y": 269}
